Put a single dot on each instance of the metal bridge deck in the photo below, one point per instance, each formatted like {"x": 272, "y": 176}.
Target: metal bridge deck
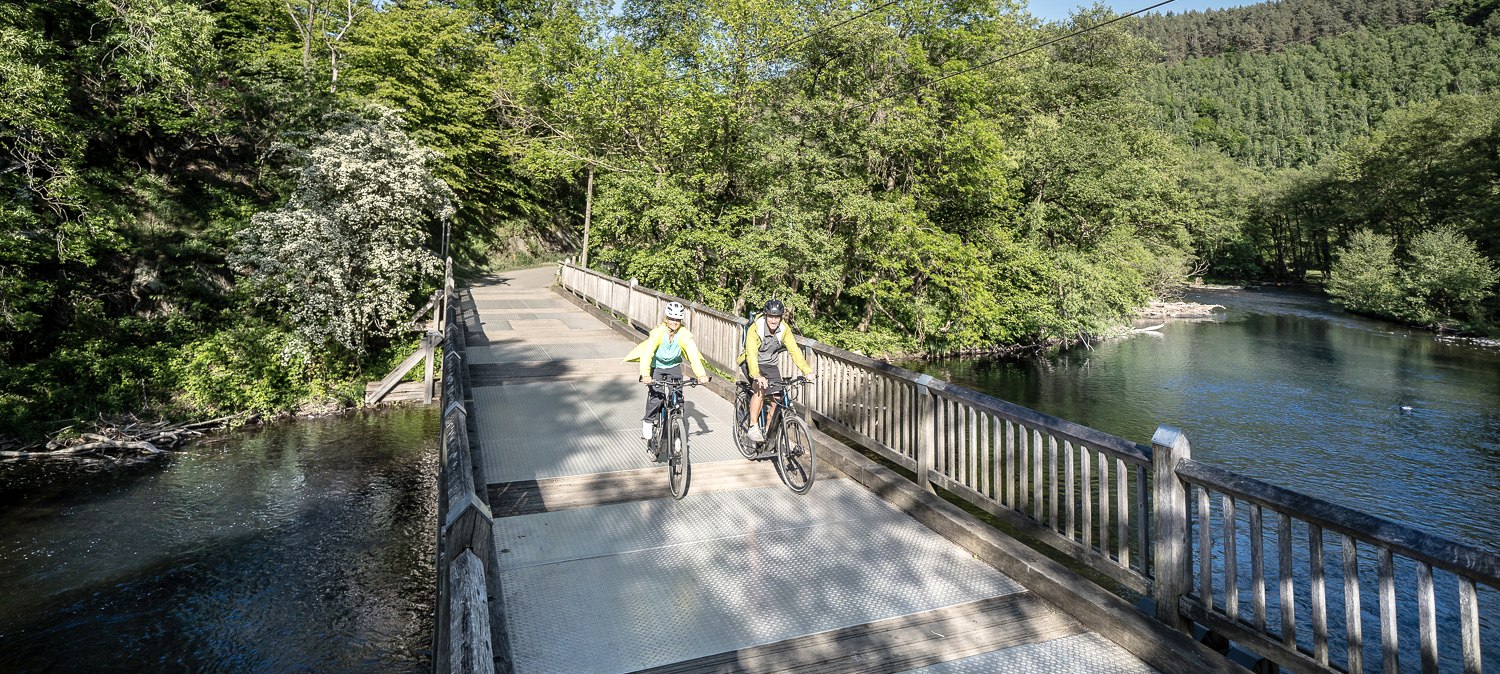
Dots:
{"x": 601, "y": 571}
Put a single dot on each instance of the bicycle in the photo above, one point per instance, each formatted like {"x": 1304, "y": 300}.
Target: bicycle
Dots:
{"x": 787, "y": 437}
{"x": 671, "y": 433}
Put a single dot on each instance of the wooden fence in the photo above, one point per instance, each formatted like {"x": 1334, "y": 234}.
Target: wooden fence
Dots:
{"x": 1124, "y": 509}
{"x": 462, "y": 628}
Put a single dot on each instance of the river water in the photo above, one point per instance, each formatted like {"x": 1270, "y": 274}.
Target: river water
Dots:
{"x": 304, "y": 546}
{"x": 1287, "y": 388}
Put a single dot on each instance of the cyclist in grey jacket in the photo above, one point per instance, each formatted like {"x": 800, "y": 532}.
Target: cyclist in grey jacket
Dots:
{"x": 767, "y": 339}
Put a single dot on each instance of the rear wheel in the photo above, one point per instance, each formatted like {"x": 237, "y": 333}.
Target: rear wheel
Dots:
{"x": 742, "y": 442}
{"x": 796, "y": 456}
{"x": 679, "y": 463}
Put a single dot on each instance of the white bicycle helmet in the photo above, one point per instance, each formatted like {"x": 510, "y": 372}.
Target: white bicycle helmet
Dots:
{"x": 676, "y": 311}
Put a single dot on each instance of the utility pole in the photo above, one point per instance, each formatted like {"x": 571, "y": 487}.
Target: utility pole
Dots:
{"x": 588, "y": 214}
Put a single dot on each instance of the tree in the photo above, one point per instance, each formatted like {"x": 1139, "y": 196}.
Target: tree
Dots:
{"x": 1447, "y": 278}
{"x": 346, "y": 254}
{"x": 1365, "y": 277}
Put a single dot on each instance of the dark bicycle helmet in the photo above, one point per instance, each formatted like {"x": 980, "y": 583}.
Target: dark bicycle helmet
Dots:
{"x": 774, "y": 308}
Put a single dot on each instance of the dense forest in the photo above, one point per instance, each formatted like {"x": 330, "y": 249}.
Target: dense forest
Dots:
{"x": 221, "y": 207}
{"x": 1299, "y": 106}
{"x": 1272, "y": 26}
{"x": 1371, "y": 154}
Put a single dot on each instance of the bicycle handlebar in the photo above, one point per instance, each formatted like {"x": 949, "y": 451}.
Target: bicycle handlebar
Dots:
{"x": 795, "y": 381}
{"x": 684, "y": 382}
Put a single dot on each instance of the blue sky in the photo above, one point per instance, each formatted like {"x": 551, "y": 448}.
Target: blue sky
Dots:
{"x": 1058, "y": 10}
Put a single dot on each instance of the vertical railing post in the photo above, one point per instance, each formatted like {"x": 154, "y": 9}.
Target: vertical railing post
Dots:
{"x": 926, "y": 405}
{"x": 811, "y": 357}
{"x": 1173, "y": 549}
{"x": 447, "y": 288}
{"x": 630, "y": 305}
{"x": 429, "y": 344}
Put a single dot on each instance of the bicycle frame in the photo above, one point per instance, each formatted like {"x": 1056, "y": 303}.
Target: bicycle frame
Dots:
{"x": 770, "y": 410}
{"x": 672, "y": 400}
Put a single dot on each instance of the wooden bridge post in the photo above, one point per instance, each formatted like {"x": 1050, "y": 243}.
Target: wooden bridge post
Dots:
{"x": 630, "y": 306}
{"x": 429, "y": 345}
{"x": 1174, "y": 573}
{"x": 926, "y": 410}
{"x": 811, "y": 357}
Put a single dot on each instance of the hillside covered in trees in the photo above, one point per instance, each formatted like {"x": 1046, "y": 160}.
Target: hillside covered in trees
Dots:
{"x": 1365, "y": 159}
{"x": 1270, "y": 26}
{"x": 1297, "y": 106}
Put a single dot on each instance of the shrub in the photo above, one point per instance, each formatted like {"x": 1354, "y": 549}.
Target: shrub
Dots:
{"x": 1364, "y": 278}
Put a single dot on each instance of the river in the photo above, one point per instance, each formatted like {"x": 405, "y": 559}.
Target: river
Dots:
{"x": 302, "y": 546}
{"x": 1287, "y": 388}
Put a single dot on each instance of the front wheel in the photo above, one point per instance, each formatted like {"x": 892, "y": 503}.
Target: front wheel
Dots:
{"x": 742, "y": 442}
{"x": 796, "y": 456}
{"x": 679, "y": 463}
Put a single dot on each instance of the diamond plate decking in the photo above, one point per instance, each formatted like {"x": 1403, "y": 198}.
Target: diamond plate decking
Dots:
{"x": 600, "y": 572}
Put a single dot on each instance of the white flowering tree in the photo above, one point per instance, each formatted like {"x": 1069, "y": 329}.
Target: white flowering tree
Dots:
{"x": 343, "y": 257}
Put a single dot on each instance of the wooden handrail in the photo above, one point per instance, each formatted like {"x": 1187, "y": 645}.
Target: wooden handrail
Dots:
{"x": 1481, "y": 565}
{"x": 463, "y": 627}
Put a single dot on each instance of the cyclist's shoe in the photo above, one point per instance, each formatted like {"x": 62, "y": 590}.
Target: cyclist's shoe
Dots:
{"x": 755, "y": 434}
{"x": 648, "y": 430}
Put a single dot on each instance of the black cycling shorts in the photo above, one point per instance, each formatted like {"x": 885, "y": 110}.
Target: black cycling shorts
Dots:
{"x": 771, "y": 372}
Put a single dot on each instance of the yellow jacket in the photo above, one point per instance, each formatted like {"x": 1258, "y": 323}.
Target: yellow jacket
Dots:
{"x": 646, "y": 351}
{"x": 750, "y": 357}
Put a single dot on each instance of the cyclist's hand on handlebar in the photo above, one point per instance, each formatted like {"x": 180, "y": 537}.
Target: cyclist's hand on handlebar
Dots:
{"x": 645, "y": 380}
{"x": 761, "y": 382}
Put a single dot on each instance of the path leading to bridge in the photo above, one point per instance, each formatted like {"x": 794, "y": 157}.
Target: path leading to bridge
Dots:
{"x": 602, "y": 571}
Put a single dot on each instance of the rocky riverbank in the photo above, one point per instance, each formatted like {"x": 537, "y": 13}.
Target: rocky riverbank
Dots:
{"x": 1161, "y": 310}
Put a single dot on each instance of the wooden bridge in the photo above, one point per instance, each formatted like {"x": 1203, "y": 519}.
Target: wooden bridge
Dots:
{"x": 560, "y": 549}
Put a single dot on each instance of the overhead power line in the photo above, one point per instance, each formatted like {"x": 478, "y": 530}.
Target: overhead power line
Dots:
{"x": 1014, "y": 54}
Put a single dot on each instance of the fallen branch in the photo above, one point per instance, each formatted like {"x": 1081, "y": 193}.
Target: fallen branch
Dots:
{"x": 125, "y": 436}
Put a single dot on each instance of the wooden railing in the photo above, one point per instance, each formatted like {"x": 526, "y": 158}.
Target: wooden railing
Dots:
{"x": 1124, "y": 509}
{"x": 432, "y": 338}
{"x": 1249, "y": 516}
{"x": 462, "y": 628}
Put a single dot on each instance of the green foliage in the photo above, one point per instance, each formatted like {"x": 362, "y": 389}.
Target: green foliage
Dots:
{"x": 131, "y": 141}
{"x": 253, "y": 367}
{"x": 1424, "y": 168}
{"x": 1441, "y": 284}
{"x": 1299, "y": 106}
{"x": 1447, "y": 279}
{"x": 1364, "y": 276}
{"x": 889, "y": 215}
{"x": 894, "y": 198}
{"x": 342, "y": 260}
{"x": 1272, "y": 26}
{"x": 1358, "y": 144}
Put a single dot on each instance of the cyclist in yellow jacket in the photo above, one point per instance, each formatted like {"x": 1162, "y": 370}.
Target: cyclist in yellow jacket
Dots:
{"x": 767, "y": 338}
{"x": 661, "y": 360}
